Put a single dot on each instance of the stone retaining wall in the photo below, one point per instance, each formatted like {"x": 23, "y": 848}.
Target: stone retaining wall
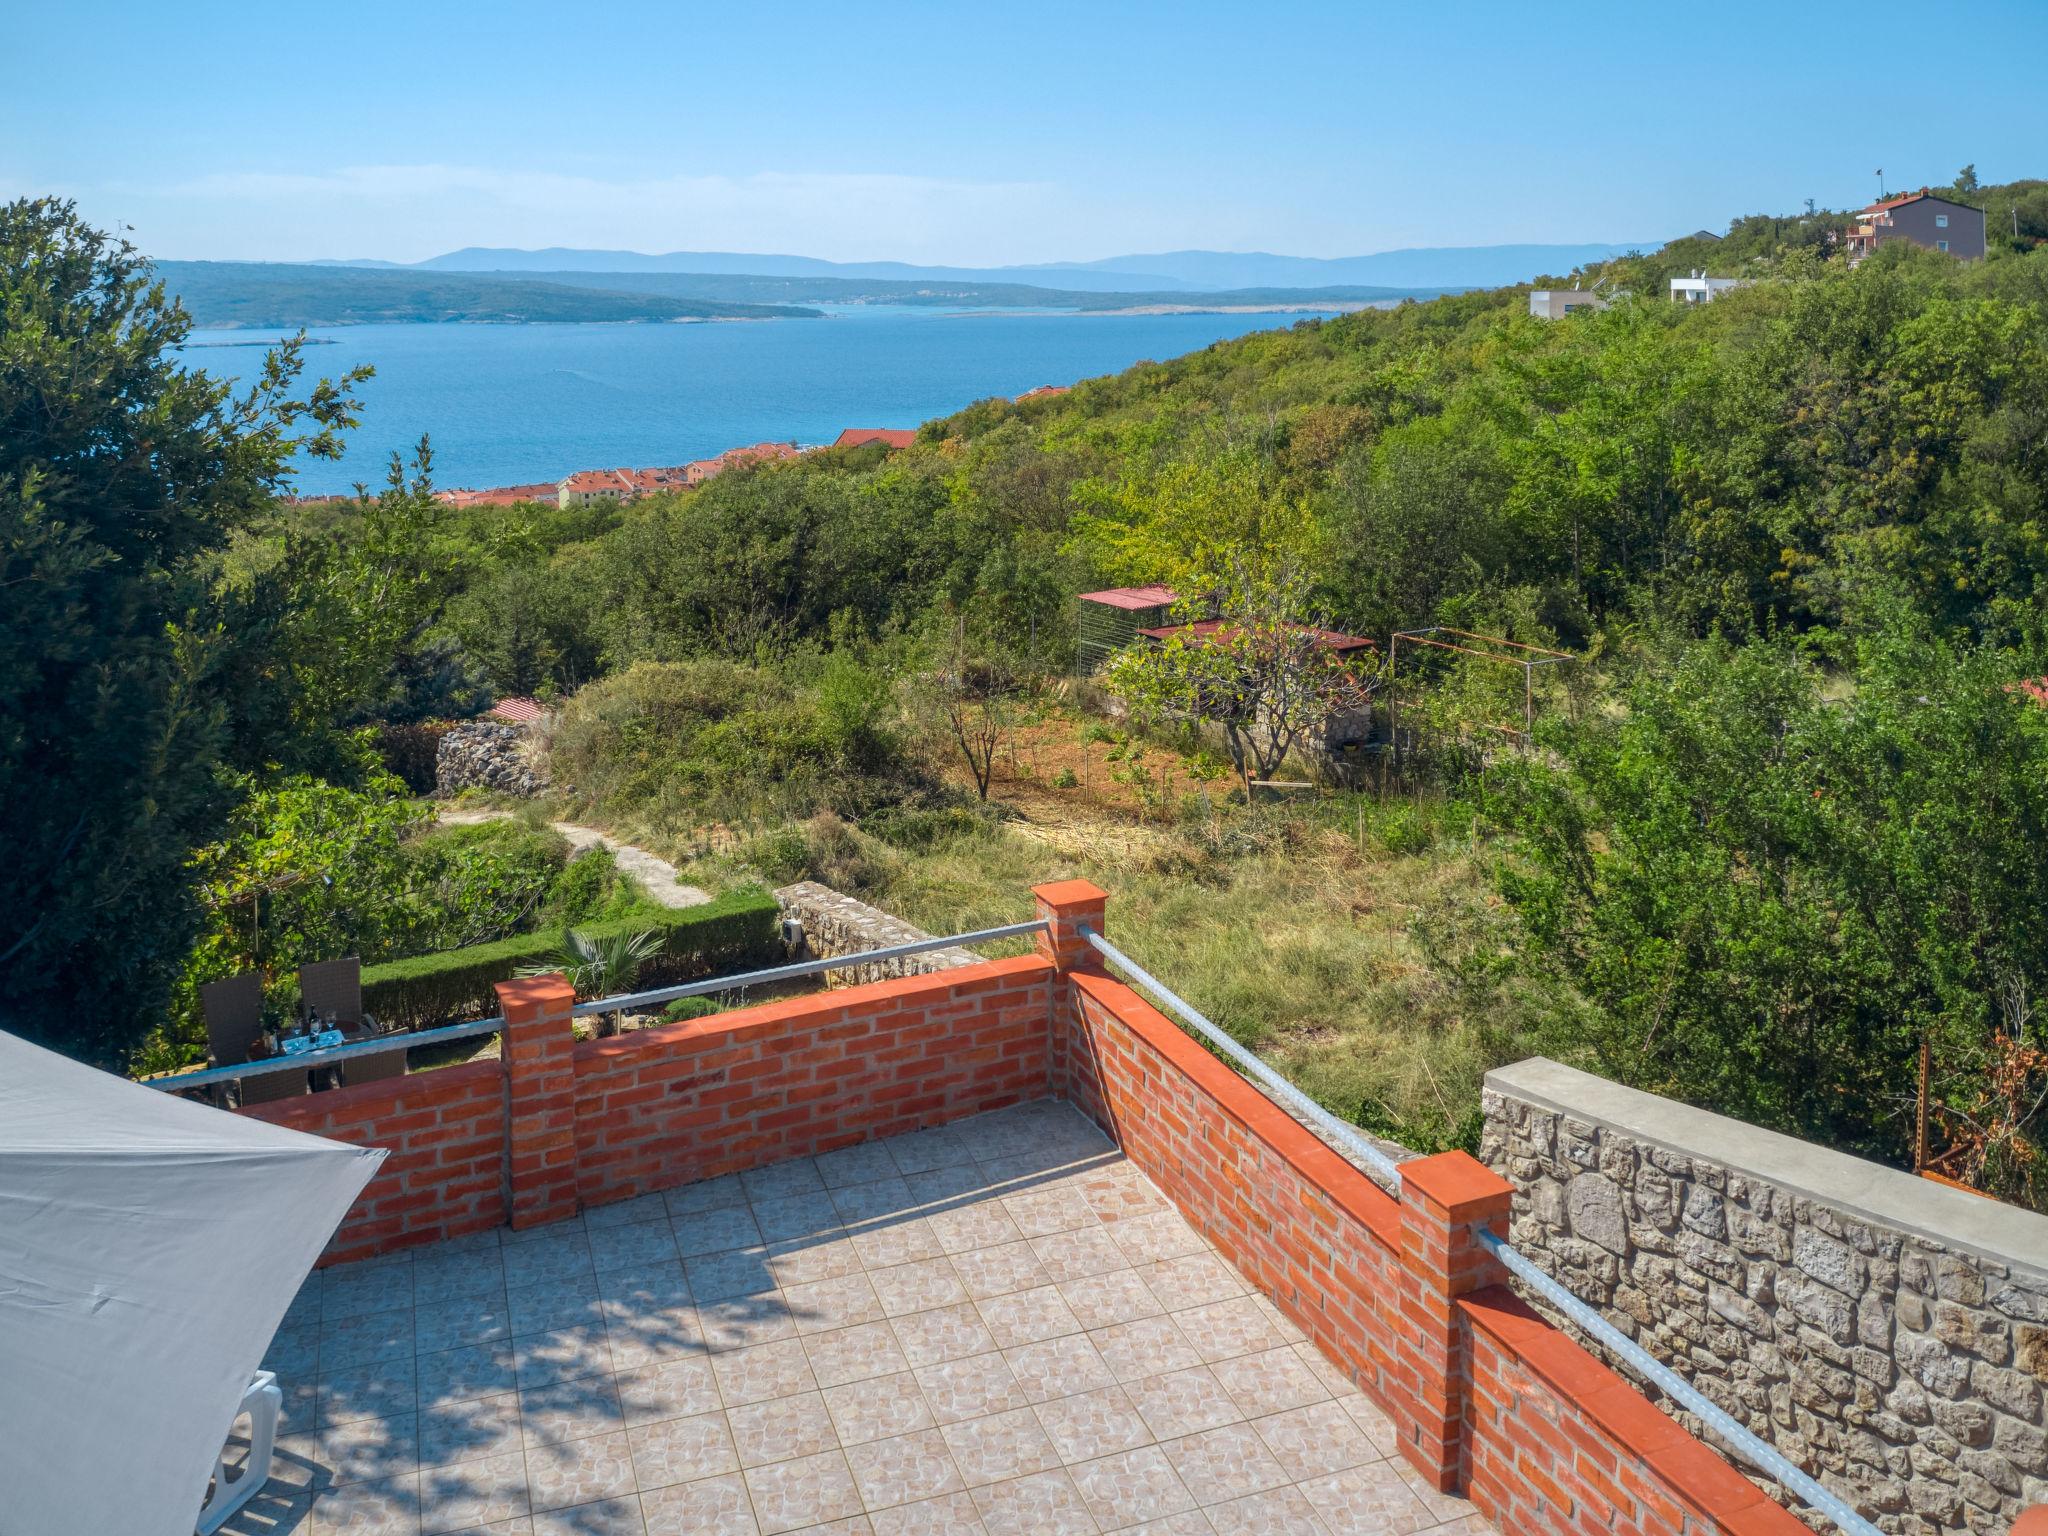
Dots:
{"x": 490, "y": 754}
{"x": 1888, "y": 1334}
{"x": 834, "y": 924}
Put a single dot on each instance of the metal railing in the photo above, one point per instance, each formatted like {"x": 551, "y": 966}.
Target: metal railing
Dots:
{"x": 1383, "y": 1169}
{"x": 1759, "y": 1453}
{"x": 308, "y": 1060}
{"x": 1741, "y": 1440}
{"x": 799, "y": 968}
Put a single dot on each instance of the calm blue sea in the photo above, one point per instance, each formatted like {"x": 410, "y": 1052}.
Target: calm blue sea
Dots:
{"x": 507, "y": 404}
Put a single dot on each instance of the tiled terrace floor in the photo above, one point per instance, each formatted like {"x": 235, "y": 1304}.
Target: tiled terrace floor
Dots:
{"x": 999, "y": 1327}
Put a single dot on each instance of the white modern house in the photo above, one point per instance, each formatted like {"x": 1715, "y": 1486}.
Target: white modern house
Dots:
{"x": 1556, "y": 303}
{"x": 1702, "y": 289}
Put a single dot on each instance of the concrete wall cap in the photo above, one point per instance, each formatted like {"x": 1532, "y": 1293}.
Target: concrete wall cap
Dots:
{"x": 1888, "y": 1197}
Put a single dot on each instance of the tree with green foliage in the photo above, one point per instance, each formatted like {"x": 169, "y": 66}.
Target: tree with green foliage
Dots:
{"x": 1762, "y": 884}
{"x": 124, "y": 477}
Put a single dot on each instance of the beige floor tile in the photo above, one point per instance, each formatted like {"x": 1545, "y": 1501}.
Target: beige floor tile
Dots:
{"x": 853, "y": 1354}
{"x": 621, "y": 1213}
{"x": 378, "y": 1391}
{"x": 969, "y": 1388}
{"x": 1272, "y": 1382}
{"x": 951, "y": 1514}
{"x": 1219, "y": 1465}
{"x": 1146, "y": 1346}
{"x": 875, "y": 1200}
{"x": 903, "y": 1469}
{"x": 1366, "y": 1501}
{"x": 999, "y": 1271}
{"x": 366, "y": 1339}
{"x": 1130, "y": 1487}
{"x": 681, "y": 1450}
{"x": 580, "y": 1471}
{"x": 1277, "y": 1512}
{"x": 806, "y": 1260}
{"x": 1190, "y": 1523}
{"x": 571, "y": 1410}
{"x": 1059, "y": 1367}
{"x": 790, "y": 1495}
{"x": 542, "y": 1359}
{"x": 472, "y": 1430}
{"x": 1025, "y": 1317}
{"x": 824, "y": 1305}
{"x": 917, "y": 1287}
{"x": 1316, "y": 1440}
{"x": 862, "y": 1163}
{"x": 973, "y": 1228}
{"x": 387, "y": 1508}
{"x": 782, "y": 1429}
{"x": 1092, "y": 1425}
{"x": 1044, "y": 1504}
{"x": 473, "y": 1493}
{"x": 944, "y": 1333}
{"x": 368, "y": 1450}
{"x": 1000, "y": 1446}
{"x": 631, "y": 1246}
{"x": 1079, "y": 1253}
{"x": 452, "y": 1324}
{"x": 1047, "y": 1209}
{"x": 715, "y": 1506}
{"x": 736, "y": 1272}
{"x": 745, "y": 1321}
{"x": 1183, "y": 1402}
{"x": 542, "y": 1307}
{"x": 753, "y": 1375}
{"x": 1192, "y": 1281}
{"x": 1226, "y": 1328}
{"x": 808, "y": 1214}
{"x": 706, "y": 1195}
{"x": 673, "y": 1389}
{"x": 715, "y": 1231}
{"x": 1102, "y": 1301}
{"x": 877, "y": 1408}
{"x": 605, "y": 1517}
{"x": 1370, "y": 1418}
{"x": 781, "y": 1181}
{"x": 898, "y": 1240}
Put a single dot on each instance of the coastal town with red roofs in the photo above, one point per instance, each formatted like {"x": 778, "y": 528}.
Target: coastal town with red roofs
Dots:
{"x": 587, "y": 486}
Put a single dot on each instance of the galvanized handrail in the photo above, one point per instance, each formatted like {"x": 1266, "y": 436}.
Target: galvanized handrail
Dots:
{"x": 1757, "y": 1452}
{"x": 179, "y": 1081}
{"x": 305, "y": 1060}
{"x": 1383, "y": 1169}
{"x": 806, "y": 968}
{"x": 1752, "y": 1449}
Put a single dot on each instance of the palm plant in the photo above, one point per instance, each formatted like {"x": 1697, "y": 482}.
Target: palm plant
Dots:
{"x": 601, "y": 965}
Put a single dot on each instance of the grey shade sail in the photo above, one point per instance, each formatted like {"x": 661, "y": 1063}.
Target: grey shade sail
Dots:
{"x": 148, "y": 1250}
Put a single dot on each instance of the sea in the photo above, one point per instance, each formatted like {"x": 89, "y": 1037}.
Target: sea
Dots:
{"x": 511, "y": 404}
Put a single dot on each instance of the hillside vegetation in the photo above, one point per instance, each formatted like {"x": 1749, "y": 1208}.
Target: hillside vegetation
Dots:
{"x": 1782, "y": 822}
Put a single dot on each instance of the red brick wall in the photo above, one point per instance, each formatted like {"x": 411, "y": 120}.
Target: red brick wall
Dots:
{"x": 445, "y": 1174}
{"x": 1558, "y": 1442}
{"x": 1545, "y": 1438}
{"x": 706, "y": 1096}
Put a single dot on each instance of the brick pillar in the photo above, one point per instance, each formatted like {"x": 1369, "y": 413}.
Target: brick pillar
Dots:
{"x": 1445, "y": 1201}
{"x": 540, "y": 1092}
{"x": 1065, "y": 905}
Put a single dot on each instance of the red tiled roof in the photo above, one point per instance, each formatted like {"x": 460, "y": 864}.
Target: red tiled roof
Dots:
{"x": 895, "y": 437}
{"x": 1045, "y": 390}
{"x": 518, "y": 710}
{"x": 599, "y": 480}
{"x": 1206, "y": 629}
{"x": 1133, "y": 597}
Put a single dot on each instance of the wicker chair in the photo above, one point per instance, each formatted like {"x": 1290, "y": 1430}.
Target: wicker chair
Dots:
{"x": 374, "y": 1066}
{"x": 234, "y": 1017}
{"x": 333, "y": 986}
{"x": 273, "y": 1085}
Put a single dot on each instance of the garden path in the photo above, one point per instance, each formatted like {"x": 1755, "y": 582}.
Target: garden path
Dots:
{"x": 656, "y": 875}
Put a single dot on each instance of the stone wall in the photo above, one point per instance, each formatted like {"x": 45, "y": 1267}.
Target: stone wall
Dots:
{"x": 1888, "y": 1334}
{"x": 834, "y": 924}
{"x": 493, "y": 755}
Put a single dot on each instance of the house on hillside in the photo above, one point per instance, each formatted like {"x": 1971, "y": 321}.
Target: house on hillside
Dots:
{"x": 860, "y": 437}
{"x": 1698, "y": 288}
{"x": 1556, "y": 303}
{"x": 1043, "y": 392}
{"x": 1923, "y": 218}
{"x": 588, "y": 486}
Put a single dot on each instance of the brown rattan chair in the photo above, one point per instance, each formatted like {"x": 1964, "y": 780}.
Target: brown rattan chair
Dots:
{"x": 234, "y": 1017}
{"x": 333, "y": 986}
{"x": 374, "y": 1066}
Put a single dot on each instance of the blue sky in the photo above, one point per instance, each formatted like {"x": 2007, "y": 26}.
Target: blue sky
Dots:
{"x": 992, "y": 134}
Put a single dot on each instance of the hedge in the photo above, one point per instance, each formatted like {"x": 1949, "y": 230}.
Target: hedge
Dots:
{"x": 738, "y": 929}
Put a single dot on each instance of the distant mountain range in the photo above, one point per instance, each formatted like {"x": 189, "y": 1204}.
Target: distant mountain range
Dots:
{"x": 1206, "y": 272}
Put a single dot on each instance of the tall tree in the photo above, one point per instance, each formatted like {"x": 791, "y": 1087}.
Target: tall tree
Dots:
{"x": 123, "y": 476}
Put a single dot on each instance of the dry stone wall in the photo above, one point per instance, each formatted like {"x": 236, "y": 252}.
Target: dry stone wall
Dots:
{"x": 835, "y": 924}
{"x": 490, "y": 754}
{"x": 1886, "y": 1333}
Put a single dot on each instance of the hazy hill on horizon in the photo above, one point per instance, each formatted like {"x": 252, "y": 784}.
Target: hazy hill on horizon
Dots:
{"x": 1483, "y": 266}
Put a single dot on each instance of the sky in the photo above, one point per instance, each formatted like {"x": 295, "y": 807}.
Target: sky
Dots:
{"x": 993, "y": 135}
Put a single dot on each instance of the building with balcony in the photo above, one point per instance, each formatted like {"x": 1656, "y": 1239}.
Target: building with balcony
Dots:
{"x": 1925, "y": 220}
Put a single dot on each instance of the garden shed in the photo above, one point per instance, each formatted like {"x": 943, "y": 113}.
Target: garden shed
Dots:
{"x": 1112, "y": 620}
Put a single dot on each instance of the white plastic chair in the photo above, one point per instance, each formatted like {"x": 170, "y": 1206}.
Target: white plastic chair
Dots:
{"x": 263, "y": 1403}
